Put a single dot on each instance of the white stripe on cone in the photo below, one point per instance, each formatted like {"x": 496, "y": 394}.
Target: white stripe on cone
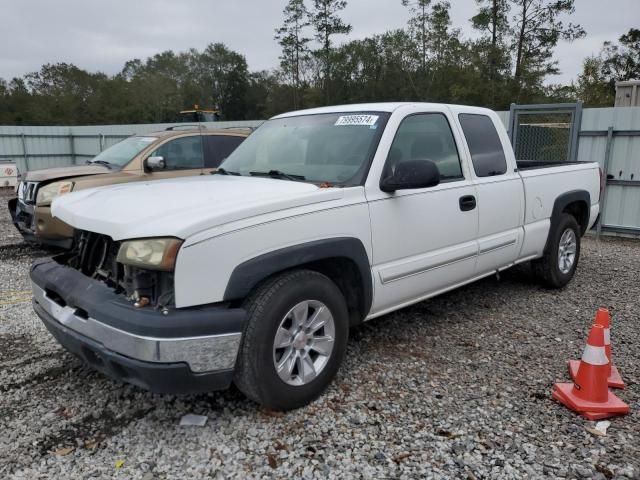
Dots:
{"x": 607, "y": 336}
{"x": 594, "y": 355}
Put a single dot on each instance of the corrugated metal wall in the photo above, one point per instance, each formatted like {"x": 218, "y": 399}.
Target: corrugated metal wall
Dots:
{"x": 622, "y": 208}
{"x": 47, "y": 147}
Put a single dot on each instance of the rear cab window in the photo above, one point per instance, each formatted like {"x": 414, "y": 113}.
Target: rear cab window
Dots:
{"x": 219, "y": 147}
{"x": 487, "y": 154}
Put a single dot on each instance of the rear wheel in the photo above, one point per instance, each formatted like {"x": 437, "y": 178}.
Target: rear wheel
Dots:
{"x": 558, "y": 265}
{"x": 294, "y": 341}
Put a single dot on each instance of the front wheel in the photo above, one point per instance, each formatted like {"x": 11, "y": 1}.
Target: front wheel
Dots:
{"x": 294, "y": 341}
{"x": 558, "y": 265}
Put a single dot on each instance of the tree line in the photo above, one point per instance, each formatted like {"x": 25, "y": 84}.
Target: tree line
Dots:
{"x": 429, "y": 60}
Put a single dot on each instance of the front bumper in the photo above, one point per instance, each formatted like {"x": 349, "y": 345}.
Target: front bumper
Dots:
{"x": 186, "y": 351}
{"x": 22, "y": 218}
{"x": 38, "y": 226}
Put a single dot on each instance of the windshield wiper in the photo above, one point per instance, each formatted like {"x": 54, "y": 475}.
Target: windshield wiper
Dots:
{"x": 101, "y": 162}
{"x": 222, "y": 171}
{"x": 279, "y": 174}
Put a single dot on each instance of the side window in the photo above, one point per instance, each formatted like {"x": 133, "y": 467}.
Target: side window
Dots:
{"x": 426, "y": 137}
{"x": 181, "y": 153}
{"x": 219, "y": 147}
{"x": 484, "y": 144}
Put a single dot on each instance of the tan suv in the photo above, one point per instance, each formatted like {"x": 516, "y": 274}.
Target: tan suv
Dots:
{"x": 172, "y": 153}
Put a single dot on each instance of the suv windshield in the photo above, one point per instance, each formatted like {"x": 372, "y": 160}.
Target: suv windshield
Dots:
{"x": 334, "y": 147}
{"x": 123, "y": 152}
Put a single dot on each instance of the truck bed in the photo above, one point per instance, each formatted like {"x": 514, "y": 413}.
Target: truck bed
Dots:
{"x": 546, "y": 181}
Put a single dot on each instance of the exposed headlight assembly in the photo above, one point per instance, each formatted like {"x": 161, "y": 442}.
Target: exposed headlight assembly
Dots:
{"x": 47, "y": 193}
{"x": 151, "y": 253}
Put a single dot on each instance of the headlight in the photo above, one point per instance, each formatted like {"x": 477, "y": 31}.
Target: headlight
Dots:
{"x": 151, "y": 253}
{"x": 47, "y": 193}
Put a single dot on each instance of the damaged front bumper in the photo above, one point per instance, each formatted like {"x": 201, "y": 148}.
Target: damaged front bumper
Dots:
{"x": 38, "y": 226}
{"x": 185, "y": 351}
{"x": 22, "y": 218}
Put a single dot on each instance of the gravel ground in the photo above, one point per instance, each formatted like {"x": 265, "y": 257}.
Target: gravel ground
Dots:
{"x": 456, "y": 387}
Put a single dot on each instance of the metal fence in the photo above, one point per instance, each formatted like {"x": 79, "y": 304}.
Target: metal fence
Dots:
{"x": 545, "y": 133}
{"x": 35, "y": 148}
{"x": 609, "y": 136}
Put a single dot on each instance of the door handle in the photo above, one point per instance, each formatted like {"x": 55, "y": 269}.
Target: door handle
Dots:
{"x": 467, "y": 202}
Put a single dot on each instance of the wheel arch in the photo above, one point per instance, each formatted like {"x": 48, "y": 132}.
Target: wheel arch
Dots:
{"x": 577, "y": 203}
{"x": 344, "y": 260}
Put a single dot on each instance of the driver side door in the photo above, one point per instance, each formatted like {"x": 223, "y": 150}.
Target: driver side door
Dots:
{"x": 424, "y": 240}
{"x": 183, "y": 156}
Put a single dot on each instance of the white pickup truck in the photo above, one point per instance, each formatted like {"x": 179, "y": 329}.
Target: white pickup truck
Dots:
{"x": 320, "y": 220}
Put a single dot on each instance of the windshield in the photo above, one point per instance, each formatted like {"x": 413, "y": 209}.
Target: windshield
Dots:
{"x": 335, "y": 148}
{"x": 123, "y": 152}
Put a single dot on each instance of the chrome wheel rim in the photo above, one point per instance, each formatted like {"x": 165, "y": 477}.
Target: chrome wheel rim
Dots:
{"x": 304, "y": 342}
{"x": 567, "y": 251}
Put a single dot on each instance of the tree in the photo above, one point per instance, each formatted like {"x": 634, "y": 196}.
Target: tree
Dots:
{"x": 418, "y": 26}
{"x": 261, "y": 95}
{"x": 295, "y": 50}
{"x": 592, "y": 86}
{"x": 537, "y": 29}
{"x": 622, "y": 62}
{"x": 5, "y": 98}
{"x": 441, "y": 39}
{"x": 436, "y": 47}
{"x": 224, "y": 76}
{"x": 492, "y": 20}
{"x": 155, "y": 87}
{"x": 327, "y": 23}
{"x": 62, "y": 92}
{"x": 379, "y": 68}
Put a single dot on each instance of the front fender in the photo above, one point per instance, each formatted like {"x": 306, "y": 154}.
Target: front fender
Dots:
{"x": 227, "y": 266}
{"x": 248, "y": 274}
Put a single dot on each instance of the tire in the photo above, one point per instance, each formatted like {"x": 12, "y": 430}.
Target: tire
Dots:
{"x": 548, "y": 269}
{"x": 270, "y": 312}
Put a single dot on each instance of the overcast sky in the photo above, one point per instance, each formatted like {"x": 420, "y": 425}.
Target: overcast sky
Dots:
{"x": 102, "y": 35}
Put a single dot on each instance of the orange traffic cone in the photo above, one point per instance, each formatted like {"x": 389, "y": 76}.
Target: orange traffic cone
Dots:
{"x": 589, "y": 394}
{"x": 615, "y": 379}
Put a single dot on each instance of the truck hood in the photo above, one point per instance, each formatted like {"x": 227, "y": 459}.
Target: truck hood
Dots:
{"x": 64, "y": 172}
{"x": 184, "y": 206}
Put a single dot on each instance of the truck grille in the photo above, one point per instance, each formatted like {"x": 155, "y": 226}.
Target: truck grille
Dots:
{"x": 27, "y": 192}
{"x": 96, "y": 257}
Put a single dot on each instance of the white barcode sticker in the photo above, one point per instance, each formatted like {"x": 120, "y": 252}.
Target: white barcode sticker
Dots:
{"x": 358, "y": 120}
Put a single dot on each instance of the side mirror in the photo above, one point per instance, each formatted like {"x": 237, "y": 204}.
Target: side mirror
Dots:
{"x": 155, "y": 163}
{"x": 412, "y": 174}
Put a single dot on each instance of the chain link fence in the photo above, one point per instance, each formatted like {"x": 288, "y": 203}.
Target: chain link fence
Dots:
{"x": 543, "y": 137}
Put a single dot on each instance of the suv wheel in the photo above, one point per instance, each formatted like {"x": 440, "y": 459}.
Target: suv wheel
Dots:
{"x": 557, "y": 267}
{"x": 294, "y": 340}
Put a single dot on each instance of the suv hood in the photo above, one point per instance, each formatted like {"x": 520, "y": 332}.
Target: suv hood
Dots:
{"x": 184, "y": 206}
{"x": 64, "y": 172}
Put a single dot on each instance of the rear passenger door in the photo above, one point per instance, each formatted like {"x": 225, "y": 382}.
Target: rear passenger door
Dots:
{"x": 424, "y": 240}
{"x": 217, "y": 148}
{"x": 500, "y": 193}
{"x": 183, "y": 156}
